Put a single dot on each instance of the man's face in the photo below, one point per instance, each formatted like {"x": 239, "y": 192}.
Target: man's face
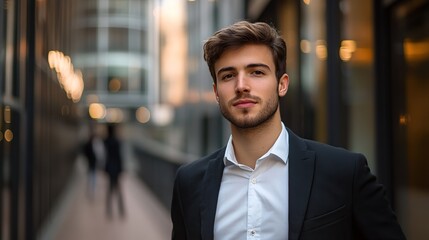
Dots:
{"x": 246, "y": 85}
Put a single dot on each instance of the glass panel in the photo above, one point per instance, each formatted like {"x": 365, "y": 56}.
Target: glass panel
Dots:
{"x": 2, "y": 48}
{"x": 90, "y": 79}
{"x": 88, "y": 41}
{"x": 88, "y": 7}
{"x": 313, "y": 69}
{"x": 137, "y": 7}
{"x": 117, "y": 79}
{"x": 356, "y": 53}
{"x": 118, "y": 39}
{"x": 144, "y": 38}
{"x": 4, "y": 181}
{"x": 138, "y": 40}
{"x": 410, "y": 73}
{"x": 3, "y": 186}
{"x": 9, "y": 152}
{"x": 118, "y": 7}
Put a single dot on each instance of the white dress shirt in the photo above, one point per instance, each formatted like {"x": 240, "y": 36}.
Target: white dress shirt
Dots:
{"x": 253, "y": 203}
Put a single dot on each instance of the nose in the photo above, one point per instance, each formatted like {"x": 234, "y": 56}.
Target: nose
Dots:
{"x": 242, "y": 84}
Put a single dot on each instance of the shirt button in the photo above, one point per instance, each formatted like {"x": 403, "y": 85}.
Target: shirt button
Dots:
{"x": 253, "y": 232}
{"x": 253, "y": 180}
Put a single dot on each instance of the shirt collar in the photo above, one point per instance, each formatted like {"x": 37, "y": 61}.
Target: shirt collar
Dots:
{"x": 280, "y": 149}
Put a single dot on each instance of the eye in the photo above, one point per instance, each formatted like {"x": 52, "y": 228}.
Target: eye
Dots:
{"x": 258, "y": 73}
{"x": 227, "y": 76}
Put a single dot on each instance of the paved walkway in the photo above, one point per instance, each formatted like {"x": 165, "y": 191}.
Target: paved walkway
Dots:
{"x": 80, "y": 217}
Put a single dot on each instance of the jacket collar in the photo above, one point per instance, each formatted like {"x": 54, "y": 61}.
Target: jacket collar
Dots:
{"x": 211, "y": 182}
{"x": 301, "y": 171}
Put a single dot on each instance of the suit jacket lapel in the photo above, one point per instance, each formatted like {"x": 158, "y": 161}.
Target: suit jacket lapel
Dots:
{"x": 212, "y": 181}
{"x": 301, "y": 171}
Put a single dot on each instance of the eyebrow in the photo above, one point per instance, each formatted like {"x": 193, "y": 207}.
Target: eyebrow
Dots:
{"x": 251, "y": 65}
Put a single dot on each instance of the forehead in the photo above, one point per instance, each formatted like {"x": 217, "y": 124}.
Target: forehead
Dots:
{"x": 245, "y": 55}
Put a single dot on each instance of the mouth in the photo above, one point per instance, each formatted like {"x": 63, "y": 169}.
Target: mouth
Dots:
{"x": 244, "y": 103}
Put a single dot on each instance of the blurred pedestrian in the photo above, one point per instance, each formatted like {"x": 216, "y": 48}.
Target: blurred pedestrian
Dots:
{"x": 114, "y": 169}
{"x": 267, "y": 182}
{"x": 95, "y": 155}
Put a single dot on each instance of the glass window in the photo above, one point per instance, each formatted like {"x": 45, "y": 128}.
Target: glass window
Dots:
{"x": 117, "y": 79}
{"x": 9, "y": 168}
{"x": 313, "y": 56}
{"x": 136, "y": 80}
{"x": 2, "y": 52}
{"x": 88, "y": 7}
{"x": 144, "y": 83}
{"x": 138, "y": 40}
{"x": 90, "y": 79}
{"x": 118, "y": 7}
{"x": 138, "y": 7}
{"x": 118, "y": 39}
{"x": 88, "y": 37}
{"x": 410, "y": 57}
{"x": 356, "y": 53}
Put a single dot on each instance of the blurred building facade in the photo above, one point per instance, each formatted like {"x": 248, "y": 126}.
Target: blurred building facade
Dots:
{"x": 114, "y": 46}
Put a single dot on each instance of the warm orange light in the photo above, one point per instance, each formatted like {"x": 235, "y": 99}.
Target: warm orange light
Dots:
{"x": 7, "y": 115}
{"x": 143, "y": 115}
{"x": 404, "y": 119}
{"x": 69, "y": 79}
{"x": 416, "y": 50}
{"x": 97, "y": 111}
{"x": 348, "y": 47}
{"x": 114, "y": 85}
{"x": 321, "y": 50}
{"x": 305, "y": 46}
{"x": 8, "y": 135}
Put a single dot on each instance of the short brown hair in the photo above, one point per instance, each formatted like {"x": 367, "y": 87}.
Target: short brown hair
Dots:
{"x": 242, "y": 33}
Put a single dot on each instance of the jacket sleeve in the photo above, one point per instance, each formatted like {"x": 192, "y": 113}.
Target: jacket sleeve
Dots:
{"x": 372, "y": 213}
{"x": 179, "y": 231}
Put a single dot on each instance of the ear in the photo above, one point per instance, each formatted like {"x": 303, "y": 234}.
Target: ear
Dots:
{"x": 215, "y": 91}
{"x": 283, "y": 85}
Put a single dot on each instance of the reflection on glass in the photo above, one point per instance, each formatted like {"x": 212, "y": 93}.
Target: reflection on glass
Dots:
{"x": 358, "y": 79}
{"x": 313, "y": 68}
{"x": 411, "y": 73}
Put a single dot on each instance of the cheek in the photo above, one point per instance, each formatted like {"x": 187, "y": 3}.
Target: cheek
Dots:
{"x": 224, "y": 91}
{"x": 268, "y": 90}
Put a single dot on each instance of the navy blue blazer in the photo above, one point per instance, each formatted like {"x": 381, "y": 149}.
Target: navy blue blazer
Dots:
{"x": 332, "y": 195}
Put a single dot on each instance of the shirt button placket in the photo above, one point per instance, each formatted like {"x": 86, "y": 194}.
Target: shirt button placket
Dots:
{"x": 254, "y": 180}
{"x": 252, "y": 231}
{"x": 252, "y": 234}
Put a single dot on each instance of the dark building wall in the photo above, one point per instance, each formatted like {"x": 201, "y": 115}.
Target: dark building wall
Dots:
{"x": 38, "y": 119}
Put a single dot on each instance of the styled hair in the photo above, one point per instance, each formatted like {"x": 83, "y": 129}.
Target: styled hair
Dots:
{"x": 240, "y": 34}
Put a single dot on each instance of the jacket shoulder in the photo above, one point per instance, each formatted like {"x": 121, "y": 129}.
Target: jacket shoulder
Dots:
{"x": 195, "y": 170}
{"x": 325, "y": 149}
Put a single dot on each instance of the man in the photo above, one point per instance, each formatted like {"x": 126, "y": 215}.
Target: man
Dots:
{"x": 114, "y": 170}
{"x": 267, "y": 183}
{"x": 95, "y": 154}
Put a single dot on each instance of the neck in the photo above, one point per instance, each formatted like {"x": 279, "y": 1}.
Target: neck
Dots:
{"x": 251, "y": 143}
